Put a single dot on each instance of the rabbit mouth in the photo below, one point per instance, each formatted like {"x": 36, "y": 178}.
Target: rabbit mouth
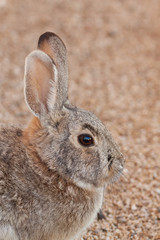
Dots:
{"x": 115, "y": 169}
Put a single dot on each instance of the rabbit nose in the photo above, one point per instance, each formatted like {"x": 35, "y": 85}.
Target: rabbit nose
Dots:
{"x": 110, "y": 161}
{"x": 109, "y": 157}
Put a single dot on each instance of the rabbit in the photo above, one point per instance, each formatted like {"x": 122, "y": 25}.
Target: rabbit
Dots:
{"x": 54, "y": 170}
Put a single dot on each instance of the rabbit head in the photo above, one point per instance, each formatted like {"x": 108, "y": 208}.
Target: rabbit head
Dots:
{"x": 69, "y": 140}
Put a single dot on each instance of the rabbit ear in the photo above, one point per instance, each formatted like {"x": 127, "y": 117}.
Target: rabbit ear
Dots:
{"x": 54, "y": 47}
{"x": 40, "y": 83}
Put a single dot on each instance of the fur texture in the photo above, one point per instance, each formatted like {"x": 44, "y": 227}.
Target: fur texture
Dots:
{"x": 51, "y": 186}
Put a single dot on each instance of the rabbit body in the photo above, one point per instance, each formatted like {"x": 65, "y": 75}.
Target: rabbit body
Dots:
{"x": 38, "y": 206}
{"x": 53, "y": 172}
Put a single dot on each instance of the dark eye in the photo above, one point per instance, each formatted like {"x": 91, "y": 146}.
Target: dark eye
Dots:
{"x": 86, "y": 140}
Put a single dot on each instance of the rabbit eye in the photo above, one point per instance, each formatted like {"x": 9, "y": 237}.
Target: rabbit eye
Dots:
{"x": 86, "y": 140}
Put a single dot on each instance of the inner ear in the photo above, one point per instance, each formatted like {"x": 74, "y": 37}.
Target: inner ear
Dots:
{"x": 40, "y": 82}
{"x": 43, "y": 77}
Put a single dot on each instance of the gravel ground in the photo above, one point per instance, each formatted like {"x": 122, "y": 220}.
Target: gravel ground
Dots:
{"x": 114, "y": 54}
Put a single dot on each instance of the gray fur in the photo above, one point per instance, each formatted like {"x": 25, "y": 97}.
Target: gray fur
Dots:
{"x": 51, "y": 187}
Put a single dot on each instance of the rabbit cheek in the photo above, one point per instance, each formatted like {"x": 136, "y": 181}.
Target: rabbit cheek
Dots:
{"x": 92, "y": 167}
{"x": 81, "y": 166}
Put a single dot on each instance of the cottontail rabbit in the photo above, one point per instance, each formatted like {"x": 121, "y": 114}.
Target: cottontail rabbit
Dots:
{"x": 52, "y": 173}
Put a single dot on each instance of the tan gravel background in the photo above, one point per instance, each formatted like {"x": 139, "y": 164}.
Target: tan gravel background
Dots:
{"x": 114, "y": 62}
